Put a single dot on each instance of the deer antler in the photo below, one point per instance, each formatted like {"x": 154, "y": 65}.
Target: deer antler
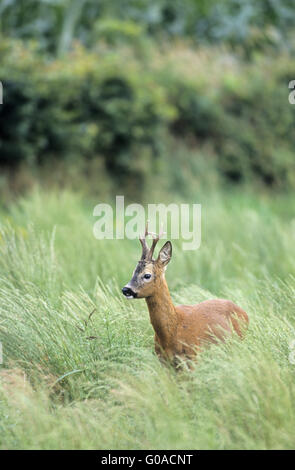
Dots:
{"x": 145, "y": 248}
{"x": 156, "y": 238}
{"x": 147, "y": 253}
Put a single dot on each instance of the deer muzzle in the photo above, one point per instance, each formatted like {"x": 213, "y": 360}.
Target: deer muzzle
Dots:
{"x": 129, "y": 293}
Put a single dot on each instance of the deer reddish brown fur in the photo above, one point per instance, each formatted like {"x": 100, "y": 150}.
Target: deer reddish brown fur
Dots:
{"x": 180, "y": 331}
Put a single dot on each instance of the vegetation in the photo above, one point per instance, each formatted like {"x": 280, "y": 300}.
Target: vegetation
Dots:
{"x": 245, "y": 24}
{"x": 163, "y": 102}
{"x": 79, "y": 368}
{"x": 110, "y": 105}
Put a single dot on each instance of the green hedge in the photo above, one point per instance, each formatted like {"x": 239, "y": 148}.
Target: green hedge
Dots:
{"x": 110, "y": 104}
{"x": 246, "y": 119}
{"x": 237, "y": 111}
{"x": 98, "y": 105}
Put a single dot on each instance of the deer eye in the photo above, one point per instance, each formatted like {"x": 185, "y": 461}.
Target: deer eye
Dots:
{"x": 147, "y": 276}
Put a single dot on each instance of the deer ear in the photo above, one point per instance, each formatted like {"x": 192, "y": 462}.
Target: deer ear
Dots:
{"x": 165, "y": 254}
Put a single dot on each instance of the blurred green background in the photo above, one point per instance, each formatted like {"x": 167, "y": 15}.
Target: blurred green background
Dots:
{"x": 101, "y": 93}
{"x": 161, "y": 101}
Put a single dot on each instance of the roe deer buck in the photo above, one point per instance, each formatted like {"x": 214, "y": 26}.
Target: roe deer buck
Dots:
{"x": 180, "y": 330}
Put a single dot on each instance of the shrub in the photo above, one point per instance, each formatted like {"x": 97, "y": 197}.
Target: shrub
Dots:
{"x": 110, "y": 104}
{"x": 258, "y": 139}
{"x": 86, "y": 103}
{"x": 238, "y": 111}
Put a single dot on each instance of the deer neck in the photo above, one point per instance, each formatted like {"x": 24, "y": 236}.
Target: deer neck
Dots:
{"x": 162, "y": 314}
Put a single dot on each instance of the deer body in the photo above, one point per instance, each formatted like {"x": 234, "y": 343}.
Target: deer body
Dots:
{"x": 180, "y": 331}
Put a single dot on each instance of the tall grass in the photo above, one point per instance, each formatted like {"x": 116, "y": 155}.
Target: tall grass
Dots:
{"x": 79, "y": 369}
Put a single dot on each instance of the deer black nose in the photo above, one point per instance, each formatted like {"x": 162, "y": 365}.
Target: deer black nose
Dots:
{"x": 128, "y": 292}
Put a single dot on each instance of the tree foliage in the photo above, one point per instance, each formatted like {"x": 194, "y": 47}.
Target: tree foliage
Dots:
{"x": 56, "y": 23}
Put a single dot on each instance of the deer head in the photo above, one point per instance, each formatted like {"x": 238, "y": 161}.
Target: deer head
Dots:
{"x": 148, "y": 273}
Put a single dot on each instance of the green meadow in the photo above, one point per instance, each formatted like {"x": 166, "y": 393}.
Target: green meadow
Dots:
{"x": 162, "y": 102}
{"x": 79, "y": 369}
